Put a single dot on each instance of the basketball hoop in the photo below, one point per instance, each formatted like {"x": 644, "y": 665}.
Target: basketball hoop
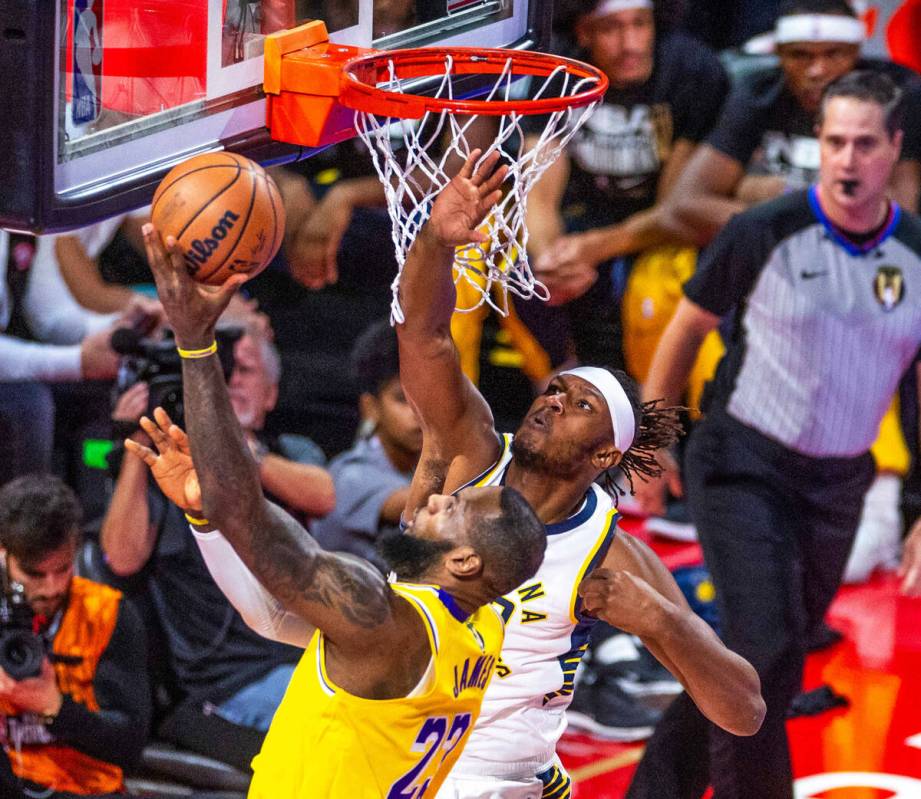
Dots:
{"x": 380, "y": 88}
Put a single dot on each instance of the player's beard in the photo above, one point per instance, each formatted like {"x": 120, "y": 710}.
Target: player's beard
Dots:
{"x": 410, "y": 556}
{"x": 565, "y": 461}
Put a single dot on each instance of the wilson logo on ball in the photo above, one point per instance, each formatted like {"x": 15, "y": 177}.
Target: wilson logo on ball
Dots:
{"x": 200, "y": 250}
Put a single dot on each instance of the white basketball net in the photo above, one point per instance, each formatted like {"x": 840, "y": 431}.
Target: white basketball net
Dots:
{"x": 414, "y": 173}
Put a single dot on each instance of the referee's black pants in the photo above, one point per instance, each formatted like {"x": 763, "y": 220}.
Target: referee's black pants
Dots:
{"x": 776, "y": 529}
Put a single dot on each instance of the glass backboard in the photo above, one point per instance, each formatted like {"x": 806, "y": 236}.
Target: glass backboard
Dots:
{"x": 128, "y": 88}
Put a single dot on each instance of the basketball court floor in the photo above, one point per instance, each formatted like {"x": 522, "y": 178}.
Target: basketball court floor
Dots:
{"x": 870, "y": 750}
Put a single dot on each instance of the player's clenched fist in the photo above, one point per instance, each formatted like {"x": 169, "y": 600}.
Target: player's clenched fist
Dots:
{"x": 624, "y": 600}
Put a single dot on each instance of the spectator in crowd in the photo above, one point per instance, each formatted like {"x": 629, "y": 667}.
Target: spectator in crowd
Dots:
{"x": 101, "y": 268}
{"x": 321, "y": 205}
{"x": 216, "y": 659}
{"x": 372, "y": 478}
{"x": 75, "y": 256}
{"x": 29, "y": 363}
{"x": 603, "y": 199}
{"x": 820, "y": 279}
{"x": 765, "y": 142}
{"x": 72, "y": 728}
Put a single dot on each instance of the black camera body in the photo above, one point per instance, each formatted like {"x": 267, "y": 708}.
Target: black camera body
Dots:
{"x": 21, "y": 650}
{"x": 157, "y": 363}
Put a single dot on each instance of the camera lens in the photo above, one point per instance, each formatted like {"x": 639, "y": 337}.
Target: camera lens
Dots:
{"x": 21, "y": 654}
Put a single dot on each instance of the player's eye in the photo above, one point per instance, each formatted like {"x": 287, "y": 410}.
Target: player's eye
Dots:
{"x": 585, "y": 405}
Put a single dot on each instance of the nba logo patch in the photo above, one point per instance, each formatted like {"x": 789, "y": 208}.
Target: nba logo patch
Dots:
{"x": 87, "y": 86}
{"x": 889, "y": 286}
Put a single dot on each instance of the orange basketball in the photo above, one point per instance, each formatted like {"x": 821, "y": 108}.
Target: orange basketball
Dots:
{"x": 225, "y": 212}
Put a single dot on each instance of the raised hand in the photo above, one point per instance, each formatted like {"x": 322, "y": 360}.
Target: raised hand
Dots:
{"x": 463, "y": 204}
{"x": 98, "y": 361}
{"x": 171, "y": 465}
{"x": 191, "y": 308}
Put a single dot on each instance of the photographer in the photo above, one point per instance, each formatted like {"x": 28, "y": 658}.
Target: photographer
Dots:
{"x": 221, "y": 667}
{"x": 76, "y": 712}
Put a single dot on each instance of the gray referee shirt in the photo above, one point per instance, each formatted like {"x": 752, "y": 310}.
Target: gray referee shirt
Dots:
{"x": 823, "y": 328}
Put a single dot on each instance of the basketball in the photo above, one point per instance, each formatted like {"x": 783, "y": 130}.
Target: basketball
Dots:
{"x": 225, "y": 212}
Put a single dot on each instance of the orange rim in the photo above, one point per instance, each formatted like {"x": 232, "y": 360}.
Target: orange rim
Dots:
{"x": 361, "y": 74}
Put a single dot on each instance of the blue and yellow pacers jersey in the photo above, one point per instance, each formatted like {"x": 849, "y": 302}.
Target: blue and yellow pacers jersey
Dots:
{"x": 325, "y": 742}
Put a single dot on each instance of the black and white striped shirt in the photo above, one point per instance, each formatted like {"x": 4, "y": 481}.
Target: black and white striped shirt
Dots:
{"x": 824, "y": 327}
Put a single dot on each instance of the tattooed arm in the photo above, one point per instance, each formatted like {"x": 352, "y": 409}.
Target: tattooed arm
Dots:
{"x": 344, "y": 597}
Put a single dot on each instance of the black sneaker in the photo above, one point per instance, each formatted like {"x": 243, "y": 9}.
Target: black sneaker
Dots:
{"x": 624, "y": 659}
{"x": 644, "y": 676}
{"x": 818, "y": 700}
{"x": 822, "y": 637}
{"x": 601, "y": 708}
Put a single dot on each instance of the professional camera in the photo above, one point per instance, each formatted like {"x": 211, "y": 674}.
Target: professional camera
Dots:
{"x": 21, "y": 650}
{"x": 157, "y": 363}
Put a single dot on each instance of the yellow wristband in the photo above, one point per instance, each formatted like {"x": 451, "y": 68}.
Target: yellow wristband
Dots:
{"x": 197, "y": 522}
{"x": 198, "y": 353}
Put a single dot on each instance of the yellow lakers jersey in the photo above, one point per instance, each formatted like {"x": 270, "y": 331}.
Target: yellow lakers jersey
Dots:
{"x": 325, "y": 742}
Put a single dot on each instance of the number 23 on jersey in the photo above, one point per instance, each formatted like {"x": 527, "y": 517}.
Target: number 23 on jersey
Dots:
{"x": 437, "y": 739}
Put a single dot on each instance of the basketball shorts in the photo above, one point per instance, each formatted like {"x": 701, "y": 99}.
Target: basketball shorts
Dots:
{"x": 552, "y": 783}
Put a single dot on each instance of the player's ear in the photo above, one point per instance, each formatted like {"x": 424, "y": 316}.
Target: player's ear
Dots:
{"x": 606, "y": 457}
{"x": 464, "y": 562}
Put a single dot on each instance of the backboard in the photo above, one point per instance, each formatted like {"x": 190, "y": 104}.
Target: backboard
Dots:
{"x": 103, "y": 97}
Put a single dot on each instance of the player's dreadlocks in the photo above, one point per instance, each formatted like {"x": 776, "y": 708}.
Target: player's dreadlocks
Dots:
{"x": 657, "y": 427}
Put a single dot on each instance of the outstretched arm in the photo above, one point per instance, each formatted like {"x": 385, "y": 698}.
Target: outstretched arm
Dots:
{"x": 344, "y": 597}
{"x": 457, "y": 423}
{"x": 636, "y": 593}
{"x": 172, "y": 468}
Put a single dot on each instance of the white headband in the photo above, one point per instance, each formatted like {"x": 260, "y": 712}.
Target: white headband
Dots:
{"x": 622, "y": 419}
{"x": 818, "y": 28}
{"x": 606, "y": 7}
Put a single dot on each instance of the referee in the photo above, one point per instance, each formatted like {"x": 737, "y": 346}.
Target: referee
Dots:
{"x": 824, "y": 288}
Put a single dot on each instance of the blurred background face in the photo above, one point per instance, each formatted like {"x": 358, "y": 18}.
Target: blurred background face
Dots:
{"x": 46, "y": 581}
{"x": 620, "y": 44}
{"x": 252, "y": 391}
{"x": 855, "y": 148}
{"x": 811, "y": 66}
{"x": 394, "y": 419}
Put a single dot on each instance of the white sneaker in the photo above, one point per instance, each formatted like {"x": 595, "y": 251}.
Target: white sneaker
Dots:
{"x": 675, "y": 524}
{"x": 879, "y": 534}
